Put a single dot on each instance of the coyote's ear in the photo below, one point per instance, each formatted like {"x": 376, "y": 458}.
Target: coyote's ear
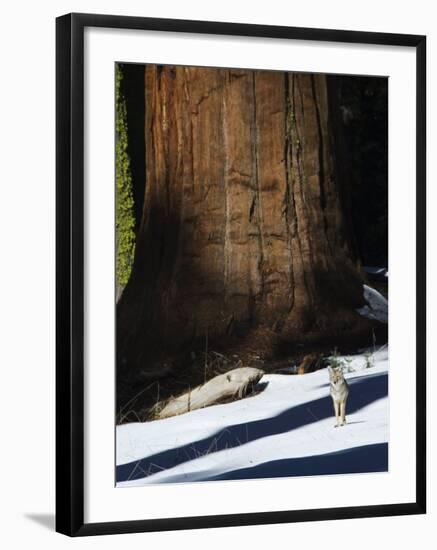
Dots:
{"x": 330, "y": 369}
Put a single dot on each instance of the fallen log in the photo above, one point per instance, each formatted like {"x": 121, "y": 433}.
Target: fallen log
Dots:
{"x": 228, "y": 386}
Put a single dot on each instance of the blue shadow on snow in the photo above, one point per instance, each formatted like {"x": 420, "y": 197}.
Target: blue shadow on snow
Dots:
{"x": 364, "y": 390}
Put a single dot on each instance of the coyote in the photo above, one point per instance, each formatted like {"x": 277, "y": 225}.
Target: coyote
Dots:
{"x": 339, "y": 391}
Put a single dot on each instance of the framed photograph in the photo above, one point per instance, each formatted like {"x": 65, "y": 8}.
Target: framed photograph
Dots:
{"x": 240, "y": 274}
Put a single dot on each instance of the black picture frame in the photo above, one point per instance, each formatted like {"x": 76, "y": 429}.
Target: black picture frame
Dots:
{"x": 70, "y": 273}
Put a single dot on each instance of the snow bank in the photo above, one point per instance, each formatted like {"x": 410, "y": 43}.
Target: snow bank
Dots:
{"x": 377, "y": 305}
{"x": 286, "y": 430}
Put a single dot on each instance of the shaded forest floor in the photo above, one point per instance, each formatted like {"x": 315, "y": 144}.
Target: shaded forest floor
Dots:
{"x": 137, "y": 402}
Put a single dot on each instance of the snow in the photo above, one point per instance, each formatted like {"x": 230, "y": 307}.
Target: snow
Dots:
{"x": 376, "y": 271}
{"x": 377, "y": 305}
{"x": 285, "y": 430}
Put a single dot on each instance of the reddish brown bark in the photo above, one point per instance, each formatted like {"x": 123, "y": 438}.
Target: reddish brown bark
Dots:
{"x": 242, "y": 223}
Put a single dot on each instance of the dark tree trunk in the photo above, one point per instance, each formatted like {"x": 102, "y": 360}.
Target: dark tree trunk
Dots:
{"x": 242, "y": 227}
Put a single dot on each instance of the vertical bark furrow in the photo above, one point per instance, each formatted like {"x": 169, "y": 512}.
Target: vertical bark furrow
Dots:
{"x": 321, "y": 152}
{"x": 324, "y": 175}
{"x": 271, "y": 112}
{"x": 227, "y": 246}
{"x": 240, "y": 185}
{"x": 301, "y": 189}
{"x": 258, "y": 298}
{"x": 288, "y": 129}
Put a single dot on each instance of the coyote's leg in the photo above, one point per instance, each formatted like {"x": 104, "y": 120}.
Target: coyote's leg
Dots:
{"x": 343, "y": 412}
{"x": 337, "y": 412}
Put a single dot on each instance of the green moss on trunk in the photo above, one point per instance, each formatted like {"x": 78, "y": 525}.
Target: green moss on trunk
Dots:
{"x": 125, "y": 218}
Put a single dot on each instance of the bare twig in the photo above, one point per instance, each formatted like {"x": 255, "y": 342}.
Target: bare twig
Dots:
{"x": 129, "y": 413}
{"x": 135, "y": 397}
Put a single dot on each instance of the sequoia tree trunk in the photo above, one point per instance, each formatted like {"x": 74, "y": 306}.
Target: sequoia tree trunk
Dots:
{"x": 242, "y": 224}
